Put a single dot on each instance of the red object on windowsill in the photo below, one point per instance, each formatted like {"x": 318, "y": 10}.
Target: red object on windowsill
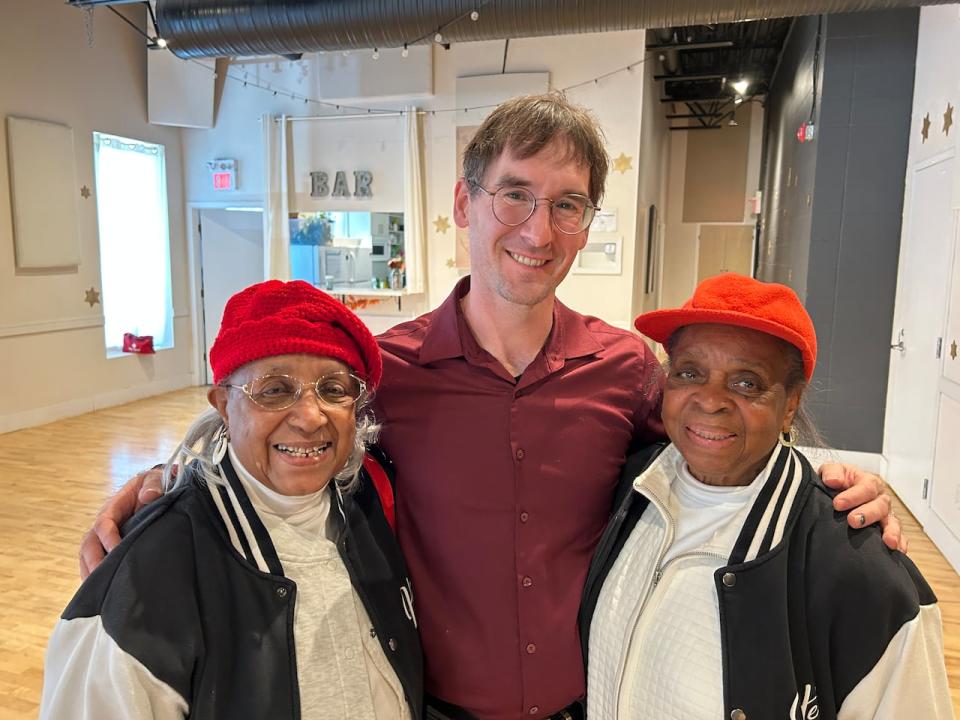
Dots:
{"x": 142, "y": 344}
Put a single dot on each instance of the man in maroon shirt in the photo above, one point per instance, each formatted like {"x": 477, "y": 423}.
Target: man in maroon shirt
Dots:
{"x": 508, "y": 416}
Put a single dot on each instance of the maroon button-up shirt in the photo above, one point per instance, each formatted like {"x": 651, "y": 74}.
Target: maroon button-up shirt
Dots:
{"x": 503, "y": 489}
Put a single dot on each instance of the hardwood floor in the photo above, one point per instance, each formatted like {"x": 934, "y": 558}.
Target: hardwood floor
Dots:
{"x": 53, "y": 478}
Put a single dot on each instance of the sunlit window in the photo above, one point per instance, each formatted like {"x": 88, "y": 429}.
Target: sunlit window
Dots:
{"x": 131, "y": 191}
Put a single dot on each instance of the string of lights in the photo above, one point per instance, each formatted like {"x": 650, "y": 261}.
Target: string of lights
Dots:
{"x": 245, "y": 80}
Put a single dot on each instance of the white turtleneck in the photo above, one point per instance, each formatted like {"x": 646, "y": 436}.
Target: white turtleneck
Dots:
{"x": 341, "y": 674}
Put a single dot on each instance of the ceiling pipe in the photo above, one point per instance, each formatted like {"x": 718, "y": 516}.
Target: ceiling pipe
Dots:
{"x": 220, "y": 28}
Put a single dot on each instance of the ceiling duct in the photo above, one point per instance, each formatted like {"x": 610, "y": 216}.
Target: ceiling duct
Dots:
{"x": 219, "y": 28}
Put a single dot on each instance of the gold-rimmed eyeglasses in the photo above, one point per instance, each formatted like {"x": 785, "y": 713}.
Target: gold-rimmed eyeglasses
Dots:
{"x": 514, "y": 204}
{"x": 339, "y": 390}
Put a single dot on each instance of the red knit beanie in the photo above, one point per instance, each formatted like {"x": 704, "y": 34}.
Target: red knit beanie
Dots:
{"x": 287, "y": 318}
{"x": 732, "y": 299}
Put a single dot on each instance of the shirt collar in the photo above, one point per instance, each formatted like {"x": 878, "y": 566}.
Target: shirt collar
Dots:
{"x": 449, "y": 335}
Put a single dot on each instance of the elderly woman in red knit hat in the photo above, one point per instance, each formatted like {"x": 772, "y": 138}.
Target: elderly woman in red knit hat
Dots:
{"x": 725, "y": 585}
{"x": 267, "y": 583}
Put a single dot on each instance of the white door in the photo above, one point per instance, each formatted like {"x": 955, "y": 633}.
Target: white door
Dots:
{"x": 943, "y": 524}
{"x": 926, "y": 251}
{"x": 231, "y": 258}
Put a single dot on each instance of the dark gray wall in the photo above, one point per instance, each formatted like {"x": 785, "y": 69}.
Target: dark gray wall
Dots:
{"x": 840, "y": 251}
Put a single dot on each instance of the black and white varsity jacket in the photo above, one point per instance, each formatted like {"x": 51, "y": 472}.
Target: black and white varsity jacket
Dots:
{"x": 816, "y": 620}
{"x": 195, "y": 595}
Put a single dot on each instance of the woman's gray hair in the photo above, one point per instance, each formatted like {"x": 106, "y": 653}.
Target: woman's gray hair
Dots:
{"x": 200, "y": 442}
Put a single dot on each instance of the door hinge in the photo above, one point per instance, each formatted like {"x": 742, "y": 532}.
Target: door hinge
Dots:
{"x": 926, "y": 487}
{"x": 939, "y": 347}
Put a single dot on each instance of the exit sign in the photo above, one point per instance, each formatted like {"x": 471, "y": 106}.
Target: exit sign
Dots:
{"x": 223, "y": 181}
{"x": 224, "y": 174}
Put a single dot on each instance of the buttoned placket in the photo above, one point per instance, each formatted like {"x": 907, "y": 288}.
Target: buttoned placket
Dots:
{"x": 524, "y": 469}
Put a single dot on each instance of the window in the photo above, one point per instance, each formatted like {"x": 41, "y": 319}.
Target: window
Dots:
{"x": 347, "y": 250}
{"x": 131, "y": 191}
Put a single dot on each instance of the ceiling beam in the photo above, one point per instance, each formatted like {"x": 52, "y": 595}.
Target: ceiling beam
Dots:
{"x": 696, "y": 99}
{"x": 693, "y": 45}
{"x": 681, "y": 77}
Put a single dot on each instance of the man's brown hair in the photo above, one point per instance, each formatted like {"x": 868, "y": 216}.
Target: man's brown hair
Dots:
{"x": 527, "y": 124}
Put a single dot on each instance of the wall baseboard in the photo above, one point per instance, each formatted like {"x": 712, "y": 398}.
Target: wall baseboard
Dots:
{"x": 71, "y": 408}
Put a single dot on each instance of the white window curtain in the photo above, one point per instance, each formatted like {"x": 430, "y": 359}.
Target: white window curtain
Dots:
{"x": 414, "y": 210}
{"x": 276, "y": 207}
{"x": 132, "y": 217}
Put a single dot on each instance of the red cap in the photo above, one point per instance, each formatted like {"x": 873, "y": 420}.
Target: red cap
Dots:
{"x": 278, "y": 318}
{"x": 731, "y": 299}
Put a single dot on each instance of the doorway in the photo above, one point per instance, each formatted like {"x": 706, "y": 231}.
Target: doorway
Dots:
{"x": 926, "y": 252}
{"x": 231, "y": 258}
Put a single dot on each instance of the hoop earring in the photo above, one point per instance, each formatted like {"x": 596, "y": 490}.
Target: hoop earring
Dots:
{"x": 220, "y": 442}
{"x": 789, "y": 439}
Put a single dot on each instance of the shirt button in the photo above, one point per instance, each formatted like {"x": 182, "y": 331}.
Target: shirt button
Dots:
{"x": 729, "y": 580}
{"x": 534, "y": 709}
{"x": 524, "y": 516}
{"x": 281, "y": 592}
{"x": 393, "y": 644}
{"x": 520, "y": 454}
{"x": 738, "y": 714}
{"x": 531, "y": 648}
{"x": 527, "y": 581}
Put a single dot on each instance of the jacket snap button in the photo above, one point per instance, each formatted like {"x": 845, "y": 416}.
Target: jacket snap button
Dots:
{"x": 393, "y": 644}
{"x": 373, "y": 632}
{"x": 281, "y": 592}
{"x": 729, "y": 580}
{"x": 738, "y": 714}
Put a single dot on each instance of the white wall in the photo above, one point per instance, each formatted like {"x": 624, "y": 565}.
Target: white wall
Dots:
{"x": 51, "y": 342}
{"x": 569, "y": 60}
{"x": 653, "y": 166}
{"x": 936, "y": 84}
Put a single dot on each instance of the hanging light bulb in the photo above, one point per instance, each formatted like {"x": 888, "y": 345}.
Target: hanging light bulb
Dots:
{"x": 376, "y": 53}
{"x": 405, "y": 52}
{"x": 740, "y": 85}
{"x": 161, "y": 42}
{"x": 475, "y": 15}
{"x": 438, "y": 37}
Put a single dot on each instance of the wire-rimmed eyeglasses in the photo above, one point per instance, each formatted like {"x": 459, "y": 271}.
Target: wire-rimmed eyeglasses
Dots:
{"x": 339, "y": 390}
{"x": 514, "y": 204}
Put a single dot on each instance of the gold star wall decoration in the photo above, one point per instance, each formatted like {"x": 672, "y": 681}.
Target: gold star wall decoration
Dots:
{"x": 92, "y": 297}
{"x": 85, "y": 192}
{"x": 622, "y": 163}
{"x": 442, "y": 224}
{"x": 947, "y": 119}
{"x": 926, "y": 127}
{"x": 451, "y": 263}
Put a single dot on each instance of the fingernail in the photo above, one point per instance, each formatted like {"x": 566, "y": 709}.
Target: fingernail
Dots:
{"x": 862, "y": 519}
{"x": 146, "y": 490}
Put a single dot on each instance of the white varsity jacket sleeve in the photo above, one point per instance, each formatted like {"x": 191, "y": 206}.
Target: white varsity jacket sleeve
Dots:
{"x": 909, "y": 680}
{"x": 87, "y": 676}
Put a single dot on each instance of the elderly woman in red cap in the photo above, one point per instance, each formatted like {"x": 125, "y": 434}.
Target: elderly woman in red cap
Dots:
{"x": 726, "y": 586}
{"x": 267, "y": 583}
